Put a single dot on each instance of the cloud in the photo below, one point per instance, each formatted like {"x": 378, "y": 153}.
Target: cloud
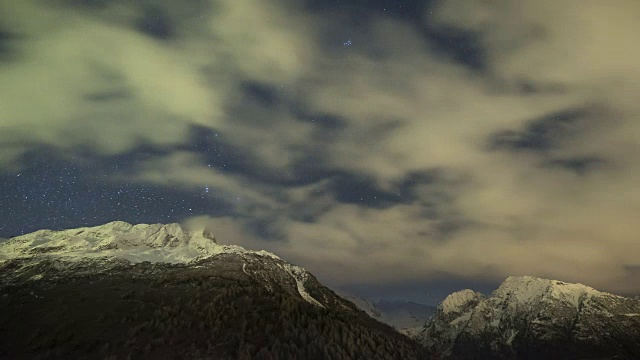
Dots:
{"x": 572, "y": 42}
{"x": 103, "y": 85}
{"x": 524, "y": 165}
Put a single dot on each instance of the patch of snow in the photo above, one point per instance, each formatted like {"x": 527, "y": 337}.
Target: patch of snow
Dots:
{"x": 300, "y": 276}
{"x": 267, "y": 254}
{"x": 512, "y": 337}
{"x": 457, "y": 301}
{"x": 462, "y": 319}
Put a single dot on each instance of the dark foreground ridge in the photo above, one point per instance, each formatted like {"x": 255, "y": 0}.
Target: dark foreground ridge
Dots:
{"x": 210, "y": 309}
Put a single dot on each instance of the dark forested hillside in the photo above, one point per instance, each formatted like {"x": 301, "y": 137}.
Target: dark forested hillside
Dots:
{"x": 164, "y": 311}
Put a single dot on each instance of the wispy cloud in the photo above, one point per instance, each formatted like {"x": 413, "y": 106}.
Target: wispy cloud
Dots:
{"x": 522, "y": 161}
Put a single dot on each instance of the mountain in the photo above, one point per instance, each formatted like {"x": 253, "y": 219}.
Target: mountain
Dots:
{"x": 122, "y": 291}
{"x": 532, "y": 318}
{"x": 363, "y": 304}
{"x": 405, "y": 316}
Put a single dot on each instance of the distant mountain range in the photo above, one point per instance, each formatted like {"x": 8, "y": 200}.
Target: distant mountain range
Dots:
{"x": 122, "y": 291}
{"x": 405, "y": 316}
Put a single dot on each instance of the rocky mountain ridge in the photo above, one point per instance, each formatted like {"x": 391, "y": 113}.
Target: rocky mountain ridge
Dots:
{"x": 529, "y": 317}
{"x": 159, "y": 291}
{"x": 121, "y": 242}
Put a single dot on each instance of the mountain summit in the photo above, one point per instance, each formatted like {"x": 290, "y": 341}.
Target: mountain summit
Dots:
{"x": 143, "y": 242}
{"x": 533, "y": 318}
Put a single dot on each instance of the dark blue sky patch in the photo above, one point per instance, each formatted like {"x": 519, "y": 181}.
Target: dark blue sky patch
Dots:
{"x": 439, "y": 181}
{"x": 351, "y": 21}
{"x": 415, "y": 178}
{"x": 540, "y": 134}
{"x": 410, "y": 10}
{"x": 348, "y": 23}
{"x": 220, "y": 153}
{"x": 156, "y": 22}
{"x": 448, "y": 225}
{"x": 430, "y": 292}
{"x": 261, "y": 93}
{"x": 327, "y": 126}
{"x": 437, "y": 205}
{"x": 310, "y": 210}
{"x": 434, "y": 190}
{"x": 266, "y": 228}
{"x": 330, "y": 124}
{"x": 8, "y": 44}
{"x": 56, "y": 194}
{"x": 263, "y": 104}
{"x": 352, "y": 27}
{"x": 578, "y": 165}
{"x": 100, "y": 166}
{"x": 109, "y": 95}
{"x": 159, "y": 19}
{"x": 259, "y": 104}
{"x": 530, "y": 87}
{"x": 326, "y": 122}
{"x": 461, "y": 46}
{"x": 310, "y": 169}
{"x": 357, "y": 189}
{"x": 92, "y": 4}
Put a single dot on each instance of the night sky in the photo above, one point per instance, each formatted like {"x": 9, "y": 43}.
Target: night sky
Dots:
{"x": 396, "y": 149}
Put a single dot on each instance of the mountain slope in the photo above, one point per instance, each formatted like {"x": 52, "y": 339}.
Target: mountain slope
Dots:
{"x": 157, "y": 291}
{"x": 405, "y": 316}
{"x": 528, "y": 317}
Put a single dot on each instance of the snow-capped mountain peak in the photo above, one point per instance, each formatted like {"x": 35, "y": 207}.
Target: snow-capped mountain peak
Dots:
{"x": 535, "y": 318}
{"x": 142, "y": 242}
{"x": 155, "y": 243}
{"x": 531, "y": 290}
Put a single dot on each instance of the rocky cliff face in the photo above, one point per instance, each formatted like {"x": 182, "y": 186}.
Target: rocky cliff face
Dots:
{"x": 532, "y": 318}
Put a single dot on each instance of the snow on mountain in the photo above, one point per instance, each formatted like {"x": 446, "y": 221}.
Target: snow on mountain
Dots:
{"x": 531, "y": 290}
{"x": 136, "y": 243}
{"x": 535, "y": 317}
{"x": 300, "y": 276}
{"x": 458, "y": 301}
{"x": 121, "y": 241}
